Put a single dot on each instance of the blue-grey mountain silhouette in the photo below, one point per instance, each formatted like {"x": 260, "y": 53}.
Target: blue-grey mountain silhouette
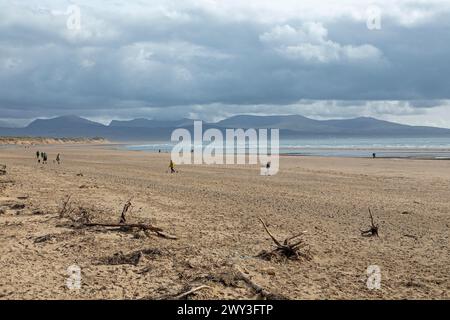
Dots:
{"x": 291, "y": 126}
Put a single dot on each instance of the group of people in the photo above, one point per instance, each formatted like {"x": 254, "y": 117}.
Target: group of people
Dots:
{"x": 42, "y": 156}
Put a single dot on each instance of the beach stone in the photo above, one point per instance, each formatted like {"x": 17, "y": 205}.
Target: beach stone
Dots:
{"x": 269, "y": 271}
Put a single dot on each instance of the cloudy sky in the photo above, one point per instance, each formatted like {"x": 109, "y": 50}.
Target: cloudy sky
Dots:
{"x": 210, "y": 59}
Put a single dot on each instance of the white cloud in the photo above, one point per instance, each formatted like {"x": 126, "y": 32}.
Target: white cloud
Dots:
{"x": 87, "y": 63}
{"x": 311, "y": 43}
{"x": 11, "y": 63}
{"x": 404, "y": 12}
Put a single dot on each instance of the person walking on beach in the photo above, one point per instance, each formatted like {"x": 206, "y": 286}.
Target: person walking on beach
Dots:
{"x": 374, "y": 155}
{"x": 58, "y": 158}
{"x": 38, "y": 154}
{"x": 268, "y": 168}
{"x": 44, "y": 158}
{"x": 172, "y": 166}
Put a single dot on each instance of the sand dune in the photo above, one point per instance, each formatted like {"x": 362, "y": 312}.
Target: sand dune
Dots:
{"x": 214, "y": 210}
{"x": 27, "y": 141}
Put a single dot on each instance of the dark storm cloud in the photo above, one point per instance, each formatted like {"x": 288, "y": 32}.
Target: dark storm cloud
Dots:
{"x": 160, "y": 60}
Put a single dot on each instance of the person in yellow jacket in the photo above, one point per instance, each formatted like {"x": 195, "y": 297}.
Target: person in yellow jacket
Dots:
{"x": 172, "y": 166}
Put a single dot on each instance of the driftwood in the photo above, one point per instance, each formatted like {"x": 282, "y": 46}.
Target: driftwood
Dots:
{"x": 264, "y": 293}
{"x": 66, "y": 207}
{"x": 232, "y": 278}
{"x": 132, "y": 258}
{"x": 124, "y": 211}
{"x": 132, "y": 226}
{"x": 178, "y": 296}
{"x": 411, "y": 236}
{"x": 45, "y": 238}
{"x": 373, "y": 231}
{"x": 123, "y": 226}
{"x": 83, "y": 220}
{"x": 289, "y": 248}
{"x": 187, "y": 293}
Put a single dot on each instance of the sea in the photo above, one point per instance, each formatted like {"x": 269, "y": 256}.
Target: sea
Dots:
{"x": 426, "y": 148}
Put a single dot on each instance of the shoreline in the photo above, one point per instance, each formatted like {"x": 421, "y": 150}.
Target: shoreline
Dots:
{"x": 340, "y": 153}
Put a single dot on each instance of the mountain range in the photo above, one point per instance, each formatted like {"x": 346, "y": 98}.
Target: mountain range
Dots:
{"x": 291, "y": 126}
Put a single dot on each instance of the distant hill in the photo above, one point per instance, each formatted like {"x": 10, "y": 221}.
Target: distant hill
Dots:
{"x": 291, "y": 126}
{"x": 362, "y": 126}
{"x": 63, "y": 121}
{"x": 146, "y": 123}
{"x": 289, "y": 122}
{"x": 71, "y": 126}
{"x": 4, "y": 124}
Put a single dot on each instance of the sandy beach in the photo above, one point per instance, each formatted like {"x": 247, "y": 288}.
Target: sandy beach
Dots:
{"x": 214, "y": 211}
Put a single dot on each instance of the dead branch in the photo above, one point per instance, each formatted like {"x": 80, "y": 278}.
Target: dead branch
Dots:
{"x": 268, "y": 232}
{"x": 232, "y": 278}
{"x": 45, "y": 238}
{"x": 289, "y": 248}
{"x": 123, "y": 226}
{"x": 124, "y": 211}
{"x": 411, "y": 236}
{"x": 132, "y": 258}
{"x": 256, "y": 287}
{"x": 373, "y": 231}
{"x": 165, "y": 235}
{"x": 180, "y": 295}
{"x": 83, "y": 220}
{"x": 132, "y": 226}
{"x": 66, "y": 207}
{"x": 187, "y": 293}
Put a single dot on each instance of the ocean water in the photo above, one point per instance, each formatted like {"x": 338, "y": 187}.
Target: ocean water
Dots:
{"x": 437, "y": 148}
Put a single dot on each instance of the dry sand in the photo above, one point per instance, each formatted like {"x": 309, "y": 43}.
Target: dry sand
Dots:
{"x": 214, "y": 212}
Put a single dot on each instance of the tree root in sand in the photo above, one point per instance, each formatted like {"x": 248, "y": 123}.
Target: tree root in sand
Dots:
{"x": 47, "y": 237}
{"x": 127, "y": 206}
{"x": 290, "y": 248}
{"x": 83, "y": 220}
{"x": 263, "y": 293}
{"x": 56, "y": 236}
{"x": 181, "y": 295}
{"x": 373, "y": 231}
{"x": 411, "y": 236}
{"x": 127, "y": 227}
{"x": 234, "y": 276}
{"x": 229, "y": 279}
{"x": 66, "y": 207}
{"x": 12, "y": 205}
{"x": 132, "y": 258}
